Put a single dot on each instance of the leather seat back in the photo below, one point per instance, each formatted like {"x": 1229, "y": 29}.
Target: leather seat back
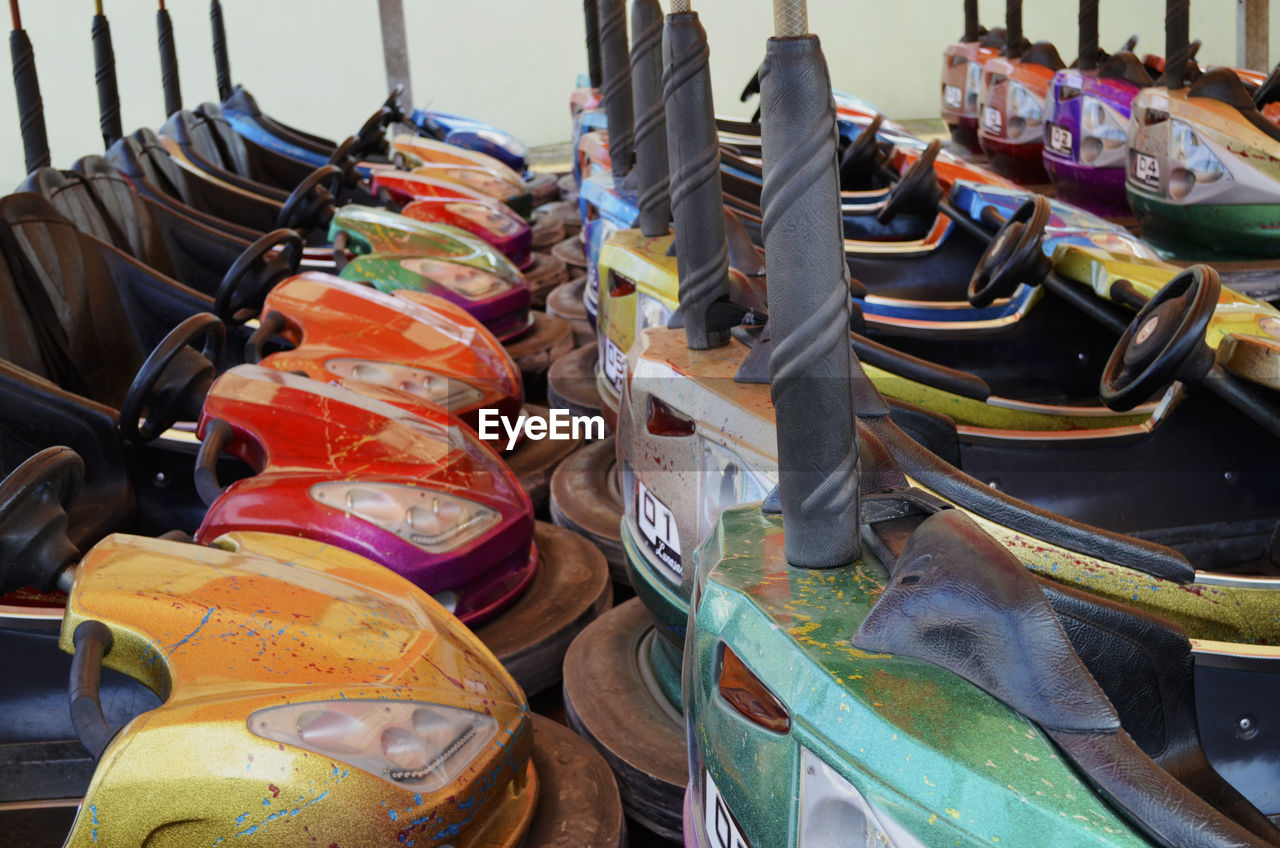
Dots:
{"x": 98, "y": 199}
{"x": 34, "y": 415}
{"x": 208, "y": 134}
{"x": 101, "y": 341}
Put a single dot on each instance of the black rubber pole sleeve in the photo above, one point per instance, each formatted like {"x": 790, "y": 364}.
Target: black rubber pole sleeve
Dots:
{"x": 1013, "y": 28}
{"x": 35, "y": 138}
{"x": 168, "y": 63}
{"x": 592, "y": 17}
{"x": 221, "y": 61}
{"x": 812, "y": 365}
{"x": 104, "y": 74}
{"x": 1088, "y": 48}
{"x": 1177, "y": 38}
{"x": 971, "y": 24}
{"x": 616, "y": 65}
{"x": 697, "y": 200}
{"x": 653, "y": 177}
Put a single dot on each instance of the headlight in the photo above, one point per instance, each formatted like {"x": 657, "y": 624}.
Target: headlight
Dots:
{"x": 1025, "y": 110}
{"x": 725, "y": 479}
{"x": 650, "y": 312}
{"x": 833, "y": 812}
{"x": 437, "y": 388}
{"x": 429, "y": 520}
{"x": 410, "y": 744}
{"x": 1102, "y": 134}
{"x": 491, "y": 219}
{"x": 1191, "y": 161}
{"x": 972, "y": 87}
{"x": 482, "y": 182}
{"x": 471, "y": 283}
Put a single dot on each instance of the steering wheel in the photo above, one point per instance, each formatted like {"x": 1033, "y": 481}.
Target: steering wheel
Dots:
{"x": 1269, "y": 89}
{"x": 1164, "y": 342}
{"x": 918, "y": 188}
{"x": 1014, "y": 256}
{"x": 163, "y": 406}
{"x": 308, "y": 202}
{"x": 863, "y": 154}
{"x": 34, "y": 500}
{"x": 254, "y": 273}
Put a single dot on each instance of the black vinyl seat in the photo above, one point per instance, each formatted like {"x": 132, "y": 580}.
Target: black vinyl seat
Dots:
{"x": 1128, "y": 67}
{"x": 1044, "y": 54}
{"x": 1223, "y": 85}
{"x": 100, "y": 201}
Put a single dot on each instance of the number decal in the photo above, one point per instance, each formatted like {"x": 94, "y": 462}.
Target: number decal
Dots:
{"x": 1060, "y": 139}
{"x": 1146, "y": 170}
{"x": 992, "y": 120}
{"x": 615, "y": 364}
{"x": 722, "y": 827}
{"x": 951, "y": 96}
{"x": 658, "y": 527}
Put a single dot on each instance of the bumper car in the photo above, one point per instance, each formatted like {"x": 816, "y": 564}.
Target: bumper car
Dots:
{"x": 1199, "y": 176}
{"x": 962, "y": 65}
{"x": 251, "y": 664}
{"x": 708, "y": 440}
{"x": 1012, "y": 102}
{"x": 775, "y": 696}
{"x": 782, "y": 695}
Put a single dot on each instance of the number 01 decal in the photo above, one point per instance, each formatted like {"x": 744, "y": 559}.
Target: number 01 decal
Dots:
{"x": 658, "y": 527}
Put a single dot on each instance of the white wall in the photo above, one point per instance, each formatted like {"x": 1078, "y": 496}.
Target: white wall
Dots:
{"x": 317, "y": 63}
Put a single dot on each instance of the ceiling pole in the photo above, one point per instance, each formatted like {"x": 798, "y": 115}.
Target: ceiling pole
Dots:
{"x": 395, "y": 47}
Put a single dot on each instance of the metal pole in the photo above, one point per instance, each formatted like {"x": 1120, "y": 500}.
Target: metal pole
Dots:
{"x": 811, "y": 364}
{"x": 395, "y": 47}
{"x": 1253, "y": 20}
{"x": 652, "y": 170}
{"x": 696, "y": 196}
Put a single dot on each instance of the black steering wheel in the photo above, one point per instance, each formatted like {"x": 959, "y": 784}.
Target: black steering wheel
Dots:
{"x": 34, "y": 500}
{"x": 309, "y": 204}
{"x": 1014, "y": 256}
{"x": 864, "y": 154}
{"x": 1269, "y": 89}
{"x": 918, "y": 189}
{"x": 1164, "y": 342}
{"x": 255, "y": 272}
{"x": 165, "y": 402}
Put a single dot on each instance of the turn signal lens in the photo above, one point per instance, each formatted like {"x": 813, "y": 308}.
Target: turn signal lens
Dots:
{"x": 620, "y": 286}
{"x": 665, "y": 421}
{"x": 751, "y": 698}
